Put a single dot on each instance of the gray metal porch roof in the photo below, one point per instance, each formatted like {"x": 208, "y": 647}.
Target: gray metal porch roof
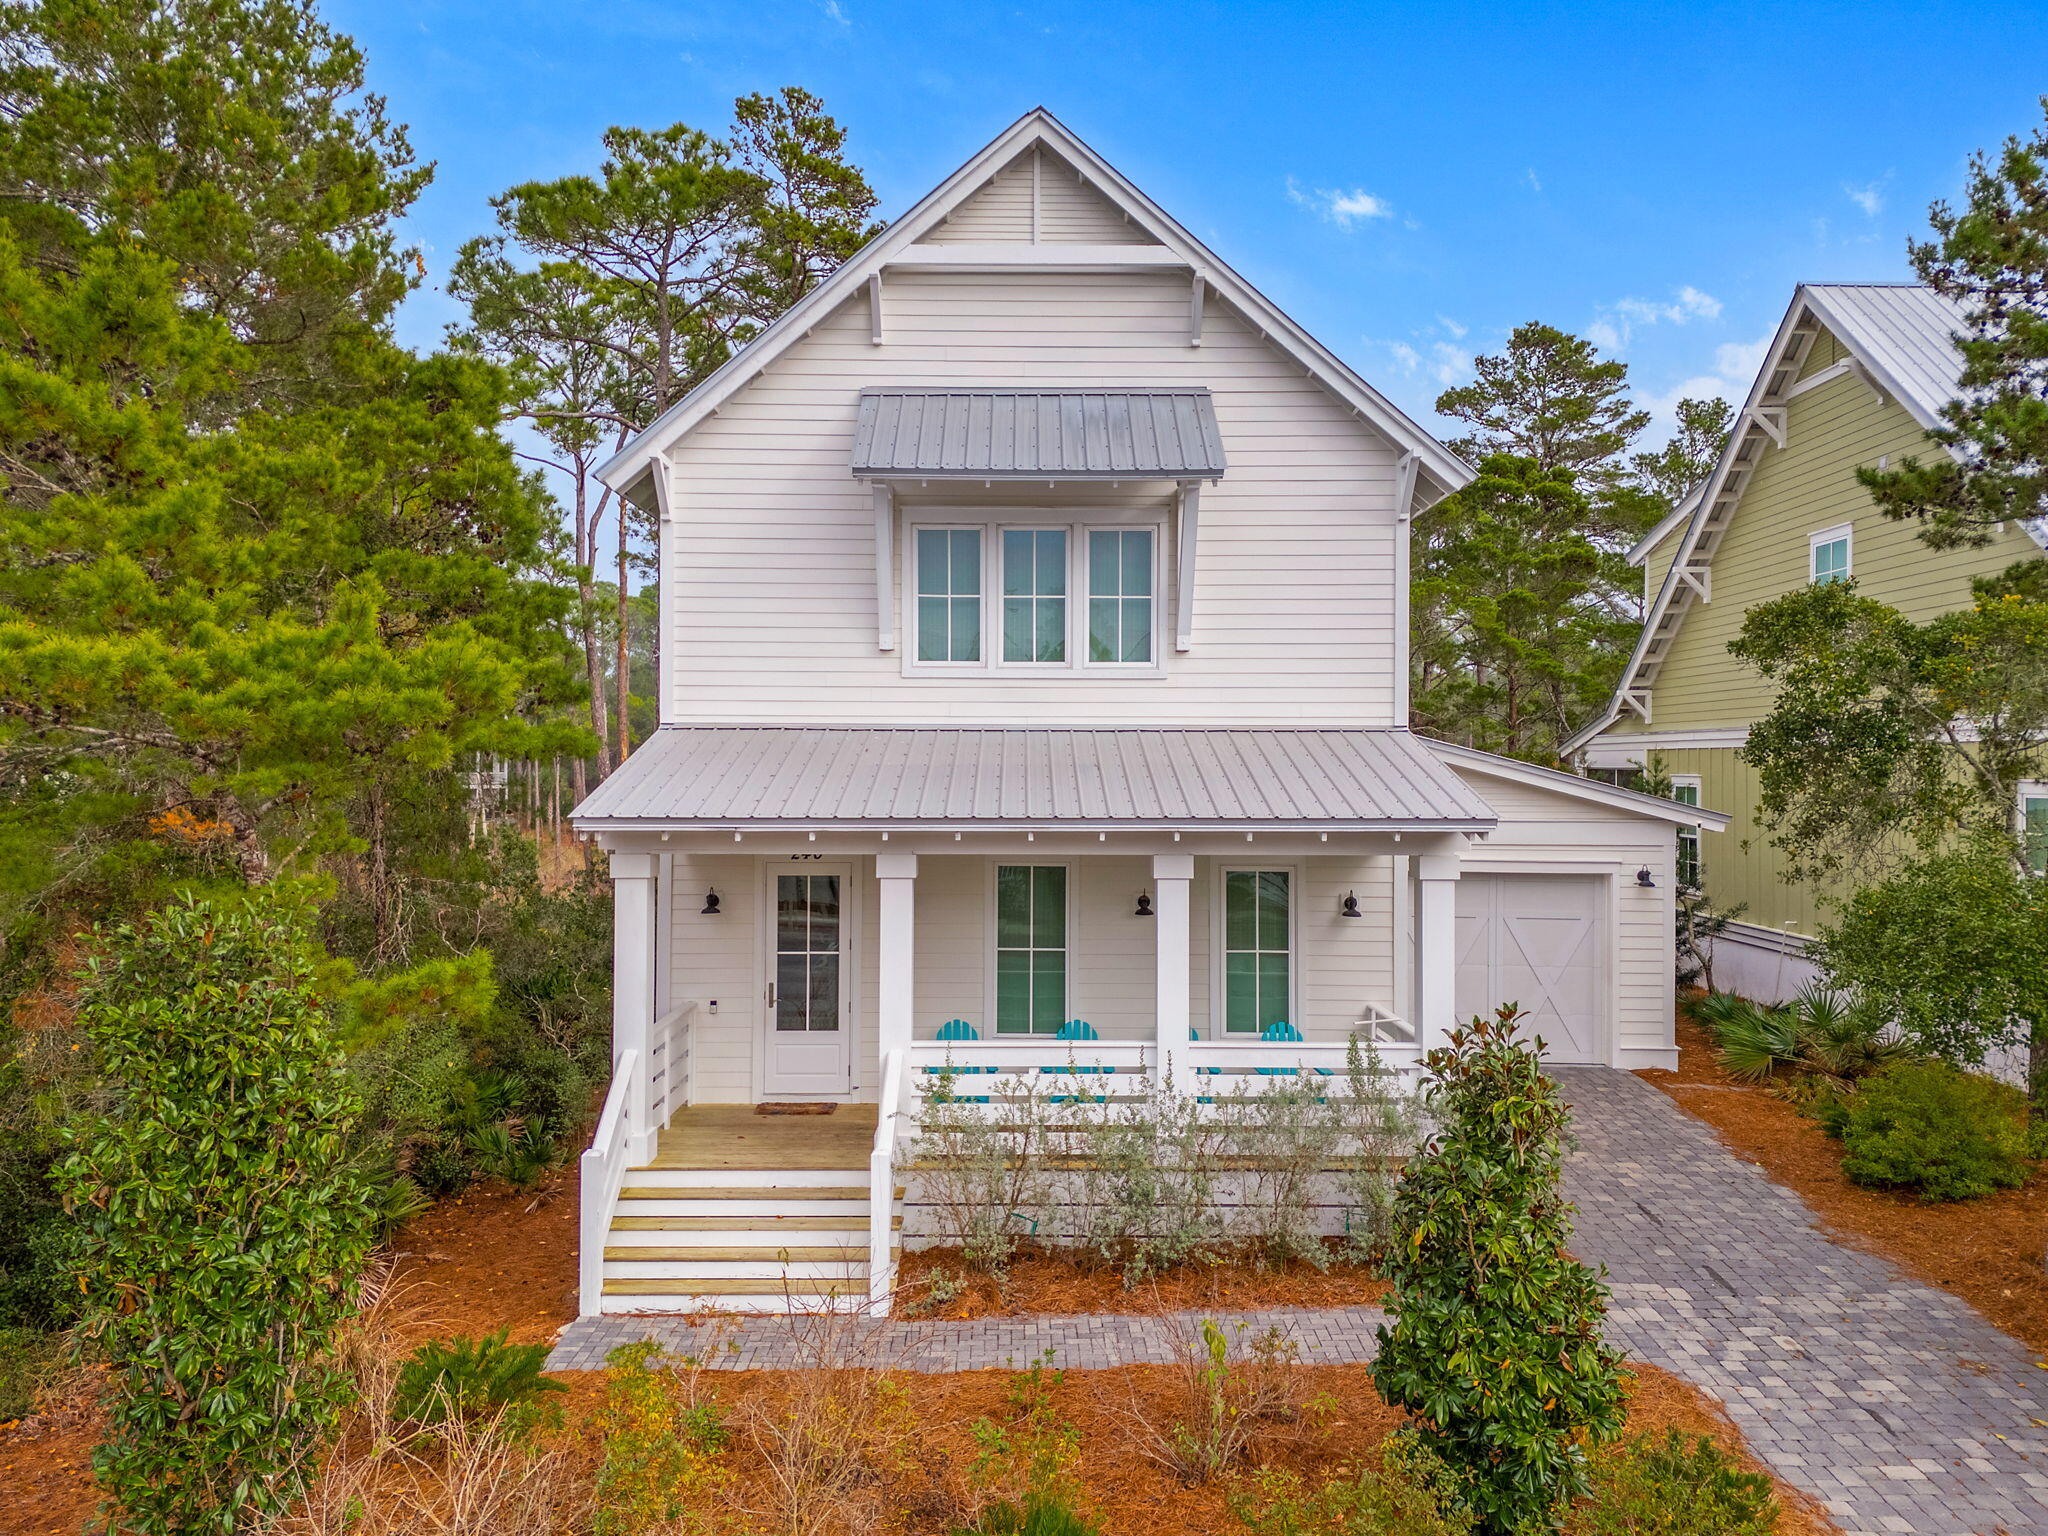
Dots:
{"x": 1031, "y": 434}
{"x": 941, "y": 777}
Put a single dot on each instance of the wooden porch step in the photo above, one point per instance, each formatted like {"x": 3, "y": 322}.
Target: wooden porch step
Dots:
{"x": 748, "y": 1192}
{"x": 632, "y": 1255}
{"x": 753, "y": 1287}
{"x": 745, "y": 1223}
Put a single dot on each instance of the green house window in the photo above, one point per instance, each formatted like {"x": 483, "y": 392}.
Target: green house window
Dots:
{"x": 1256, "y": 949}
{"x": 1120, "y": 595}
{"x": 948, "y": 594}
{"x": 1031, "y": 949}
{"x": 1688, "y": 837}
{"x": 1034, "y": 594}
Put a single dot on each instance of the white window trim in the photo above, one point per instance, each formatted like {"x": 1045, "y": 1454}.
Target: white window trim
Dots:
{"x": 991, "y": 523}
{"x": 1219, "y": 1004}
{"x": 989, "y": 1030}
{"x": 1844, "y": 532}
{"x": 1689, "y": 781}
{"x": 2029, "y": 789}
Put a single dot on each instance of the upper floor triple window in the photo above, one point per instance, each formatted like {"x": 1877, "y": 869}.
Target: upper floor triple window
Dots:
{"x": 1032, "y": 597}
{"x": 1828, "y": 554}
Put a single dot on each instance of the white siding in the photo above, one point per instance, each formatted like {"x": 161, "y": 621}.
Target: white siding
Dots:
{"x": 771, "y": 557}
{"x": 1070, "y": 212}
{"x": 1541, "y": 829}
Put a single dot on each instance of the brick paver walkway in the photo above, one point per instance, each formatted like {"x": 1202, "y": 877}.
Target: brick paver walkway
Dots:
{"x": 1891, "y": 1401}
{"x": 1325, "y": 1335}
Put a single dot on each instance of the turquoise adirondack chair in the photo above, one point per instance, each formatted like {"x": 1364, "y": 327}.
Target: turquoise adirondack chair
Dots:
{"x": 1283, "y": 1032}
{"x": 1076, "y": 1029}
{"x": 960, "y": 1029}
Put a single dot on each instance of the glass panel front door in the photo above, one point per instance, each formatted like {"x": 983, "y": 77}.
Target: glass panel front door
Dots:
{"x": 808, "y": 1038}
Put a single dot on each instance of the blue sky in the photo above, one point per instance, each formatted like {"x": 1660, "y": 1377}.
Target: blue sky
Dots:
{"x": 1409, "y": 181}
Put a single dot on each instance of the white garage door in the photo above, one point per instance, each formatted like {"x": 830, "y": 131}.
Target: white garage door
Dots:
{"x": 1540, "y": 941}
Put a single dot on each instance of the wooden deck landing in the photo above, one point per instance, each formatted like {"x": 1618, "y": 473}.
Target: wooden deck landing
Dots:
{"x": 733, "y": 1136}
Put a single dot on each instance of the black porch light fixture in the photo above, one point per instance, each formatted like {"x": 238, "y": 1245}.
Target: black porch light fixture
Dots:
{"x": 1644, "y": 879}
{"x": 710, "y": 908}
{"x": 1350, "y": 908}
{"x": 1144, "y": 904}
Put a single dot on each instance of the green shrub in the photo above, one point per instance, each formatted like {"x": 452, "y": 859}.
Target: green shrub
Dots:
{"x": 1403, "y": 1491}
{"x": 1036, "y": 1515}
{"x": 223, "y": 1226}
{"x": 1933, "y": 1128}
{"x": 470, "y": 1378}
{"x": 659, "y": 1472}
{"x": 1819, "y": 1037}
{"x": 27, "y": 1356}
{"x": 1664, "y": 1486}
{"x": 1495, "y": 1345}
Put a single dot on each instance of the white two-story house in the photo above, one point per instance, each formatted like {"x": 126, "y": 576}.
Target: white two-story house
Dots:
{"x": 1034, "y": 623}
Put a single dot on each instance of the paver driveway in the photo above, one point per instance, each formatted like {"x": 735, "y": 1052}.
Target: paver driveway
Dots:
{"x": 1891, "y": 1401}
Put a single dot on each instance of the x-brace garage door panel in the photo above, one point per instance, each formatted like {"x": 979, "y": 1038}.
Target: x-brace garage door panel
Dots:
{"x": 1540, "y": 941}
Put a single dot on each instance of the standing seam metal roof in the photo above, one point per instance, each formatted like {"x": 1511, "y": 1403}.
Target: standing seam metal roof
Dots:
{"x": 1138, "y": 433}
{"x": 1904, "y": 331}
{"x": 814, "y": 775}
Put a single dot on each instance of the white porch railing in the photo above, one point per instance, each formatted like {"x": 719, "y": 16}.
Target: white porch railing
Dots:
{"x": 603, "y": 1171}
{"x": 882, "y": 1184}
{"x": 668, "y": 1063}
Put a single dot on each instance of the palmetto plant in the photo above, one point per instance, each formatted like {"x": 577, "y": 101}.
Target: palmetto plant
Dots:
{"x": 1819, "y": 1034}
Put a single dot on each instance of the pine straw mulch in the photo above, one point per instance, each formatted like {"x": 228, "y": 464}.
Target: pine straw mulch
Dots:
{"x": 1132, "y": 1493}
{"x": 1050, "y": 1284}
{"x": 1989, "y": 1251}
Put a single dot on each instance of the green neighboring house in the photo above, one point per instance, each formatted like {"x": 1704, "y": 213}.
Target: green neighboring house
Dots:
{"x": 1854, "y": 376}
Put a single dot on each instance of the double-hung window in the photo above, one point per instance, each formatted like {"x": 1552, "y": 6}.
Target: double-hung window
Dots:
{"x": 1031, "y": 948}
{"x": 1033, "y": 596}
{"x": 1258, "y": 949}
{"x": 1828, "y": 554}
{"x": 1685, "y": 789}
{"x": 1120, "y": 595}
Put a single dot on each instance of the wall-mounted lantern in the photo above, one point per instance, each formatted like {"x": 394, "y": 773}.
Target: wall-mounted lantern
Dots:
{"x": 710, "y": 908}
{"x": 1144, "y": 904}
{"x": 1350, "y": 908}
{"x": 1644, "y": 879}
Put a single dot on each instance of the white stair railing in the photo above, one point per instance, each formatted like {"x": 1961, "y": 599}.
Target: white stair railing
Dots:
{"x": 602, "y": 1172}
{"x": 882, "y": 1185}
{"x": 668, "y": 1063}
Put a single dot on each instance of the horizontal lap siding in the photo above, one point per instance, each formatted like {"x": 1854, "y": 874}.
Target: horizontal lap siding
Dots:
{"x": 771, "y": 616}
{"x": 1806, "y": 486}
{"x": 1547, "y": 832}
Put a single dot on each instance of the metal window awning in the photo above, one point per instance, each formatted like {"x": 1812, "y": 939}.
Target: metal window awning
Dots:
{"x": 1043, "y": 434}
{"x": 929, "y": 777}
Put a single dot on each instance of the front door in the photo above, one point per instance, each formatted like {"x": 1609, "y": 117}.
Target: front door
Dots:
{"x": 810, "y": 1028}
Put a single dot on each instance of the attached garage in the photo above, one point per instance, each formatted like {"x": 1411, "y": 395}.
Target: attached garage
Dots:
{"x": 1541, "y": 941}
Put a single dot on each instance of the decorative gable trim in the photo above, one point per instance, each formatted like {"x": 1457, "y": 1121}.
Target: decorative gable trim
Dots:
{"x": 898, "y": 245}
{"x": 1759, "y": 427}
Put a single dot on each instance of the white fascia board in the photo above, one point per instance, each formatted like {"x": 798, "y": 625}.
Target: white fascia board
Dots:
{"x": 1517, "y": 772}
{"x": 997, "y": 257}
{"x": 1702, "y": 504}
{"x": 1038, "y": 126}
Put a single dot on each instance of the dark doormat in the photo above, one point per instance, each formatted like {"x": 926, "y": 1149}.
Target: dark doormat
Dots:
{"x": 794, "y": 1109}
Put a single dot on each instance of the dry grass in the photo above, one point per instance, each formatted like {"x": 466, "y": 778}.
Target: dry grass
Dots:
{"x": 1231, "y": 1390}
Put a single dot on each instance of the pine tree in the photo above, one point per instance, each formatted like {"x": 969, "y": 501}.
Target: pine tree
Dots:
{"x": 1991, "y": 259}
{"x": 1670, "y": 473}
{"x": 261, "y": 564}
{"x": 1549, "y": 398}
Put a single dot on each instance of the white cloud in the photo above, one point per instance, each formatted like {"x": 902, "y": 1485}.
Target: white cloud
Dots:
{"x": 1535, "y": 184}
{"x": 1443, "y": 363}
{"x": 1457, "y": 331}
{"x": 1869, "y": 197}
{"x": 1741, "y": 359}
{"x": 1343, "y": 209}
{"x": 1735, "y": 366}
{"x": 831, "y": 9}
{"x": 1614, "y": 325}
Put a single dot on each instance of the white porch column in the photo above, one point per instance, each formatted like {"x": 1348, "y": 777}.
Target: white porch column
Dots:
{"x": 1436, "y": 947}
{"x": 633, "y": 876}
{"x": 895, "y": 947}
{"x": 1172, "y": 873}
